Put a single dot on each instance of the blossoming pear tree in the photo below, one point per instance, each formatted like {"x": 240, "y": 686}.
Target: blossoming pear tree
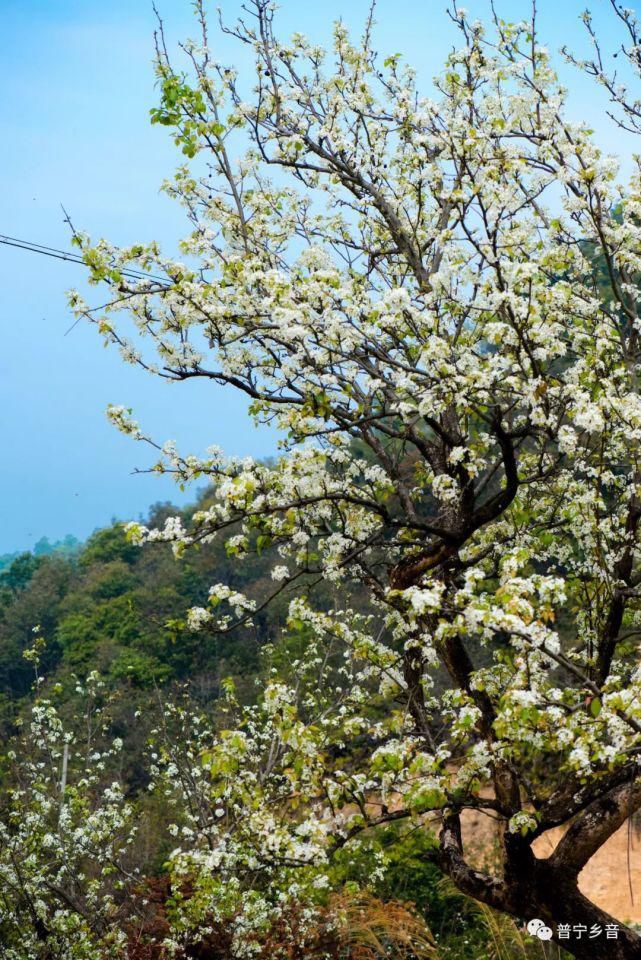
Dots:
{"x": 434, "y": 298}
{"x": 66, "y": 837}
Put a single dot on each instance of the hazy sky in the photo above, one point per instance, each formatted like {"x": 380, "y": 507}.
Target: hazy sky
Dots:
{"x": 77, "y": 86}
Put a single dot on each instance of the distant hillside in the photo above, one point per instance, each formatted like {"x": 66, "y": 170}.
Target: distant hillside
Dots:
{"x": 68, "y": 546}
{"x": 110, "y": 606}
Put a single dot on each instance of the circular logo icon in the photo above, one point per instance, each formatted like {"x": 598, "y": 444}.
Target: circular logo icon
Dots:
{"x": 534, "y": 926}
{"x": 544, "y": 933}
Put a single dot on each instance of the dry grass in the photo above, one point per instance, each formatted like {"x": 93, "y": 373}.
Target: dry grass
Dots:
{"x": 352, "y": 926}
{"x": 370, "y": 929}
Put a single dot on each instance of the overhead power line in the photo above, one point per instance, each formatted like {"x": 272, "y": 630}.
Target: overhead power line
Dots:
{"x": 32, "y": 247}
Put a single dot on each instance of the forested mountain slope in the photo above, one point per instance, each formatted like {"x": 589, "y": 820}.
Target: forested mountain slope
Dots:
{"x": 119, "y": 609}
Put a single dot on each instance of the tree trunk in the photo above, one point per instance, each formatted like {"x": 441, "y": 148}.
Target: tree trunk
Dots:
{"x": 556, "y": 899}
{"x": 533, "y": 888}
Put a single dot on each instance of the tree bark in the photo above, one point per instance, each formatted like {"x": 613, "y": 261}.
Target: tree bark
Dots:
{"x": 546, "y": 889}
{"x": 558, "y": 900}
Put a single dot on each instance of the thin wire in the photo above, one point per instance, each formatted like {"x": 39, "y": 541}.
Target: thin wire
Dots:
{"x": 45, "y": 251}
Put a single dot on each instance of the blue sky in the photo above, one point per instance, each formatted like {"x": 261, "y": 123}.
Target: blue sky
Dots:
{"x": 77, "y": 86}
